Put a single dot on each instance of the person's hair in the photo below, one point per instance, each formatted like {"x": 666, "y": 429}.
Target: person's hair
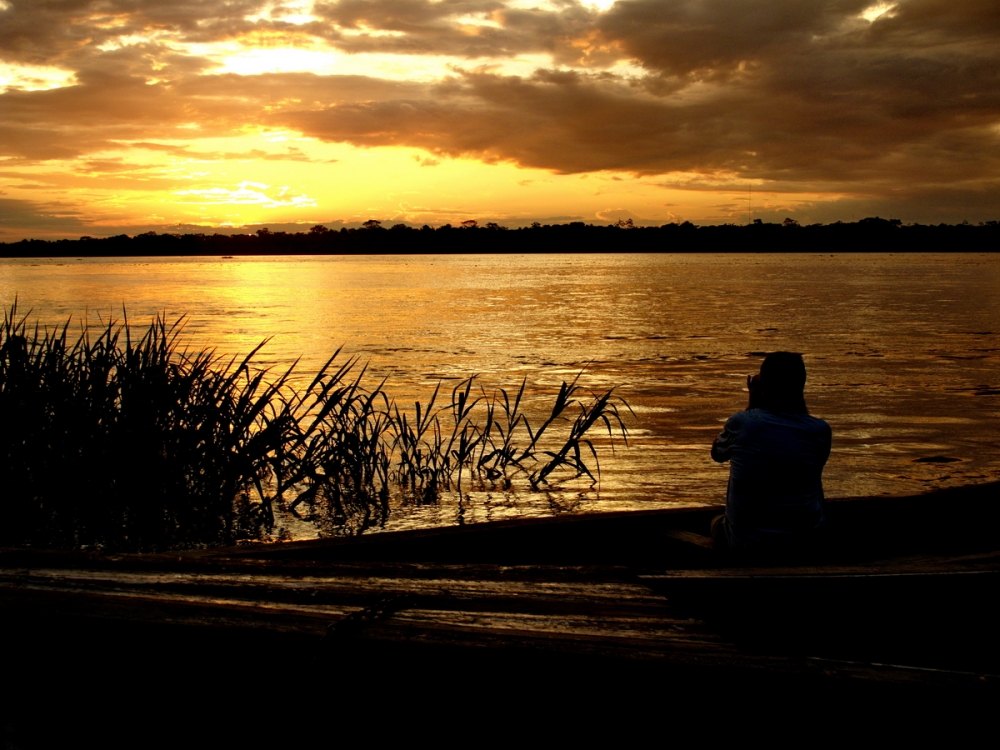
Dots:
{"x": 783, "y": 375}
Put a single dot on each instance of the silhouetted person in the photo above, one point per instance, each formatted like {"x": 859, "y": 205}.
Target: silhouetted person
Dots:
{"x": 774, "y": 502}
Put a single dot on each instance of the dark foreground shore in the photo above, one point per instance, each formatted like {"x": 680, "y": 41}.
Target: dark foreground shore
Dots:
{"x": 620, "y": 622}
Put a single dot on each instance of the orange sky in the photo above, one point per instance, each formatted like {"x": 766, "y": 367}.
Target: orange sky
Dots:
{"x": 166, "y": 115}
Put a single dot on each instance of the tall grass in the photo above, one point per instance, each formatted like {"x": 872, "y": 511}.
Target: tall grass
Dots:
{"x": 126, "y": 442}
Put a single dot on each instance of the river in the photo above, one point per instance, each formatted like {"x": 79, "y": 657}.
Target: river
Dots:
{"x": 903, "y": 351}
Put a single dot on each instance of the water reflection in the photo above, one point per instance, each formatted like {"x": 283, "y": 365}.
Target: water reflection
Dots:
{"x": 902, "y": 351}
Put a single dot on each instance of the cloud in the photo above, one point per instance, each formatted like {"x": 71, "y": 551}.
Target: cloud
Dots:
{"x": 20, "y": 218}
{"x": 106, "y": 108}
{"x": 612, "y": 215}
{"x": 400, "y": 15}
{"x": 291, "y": 153}
{"x": 565, "y": 125}
{"x": 246, "y": 194}
{"x": 805, "y": 96}
{"x": 582, "y": 125}
{"x": 50, "y": 32}
{"x": 467, "y": 29}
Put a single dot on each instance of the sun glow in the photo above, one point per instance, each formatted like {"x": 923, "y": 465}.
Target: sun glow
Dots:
{"x": 34, "y": 77}
{"x": 126, "y": 40}
{"x": 248, "y": 194}
{"x": 877, "y": 11}
{"x": 249, "y": 62}
{"x": 472, "y": 24}
{"x": 296, "y": 12}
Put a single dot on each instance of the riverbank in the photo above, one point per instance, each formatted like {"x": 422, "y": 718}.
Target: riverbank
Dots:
{"x": 872, "y": 234}
{"x": 565, "y": 610}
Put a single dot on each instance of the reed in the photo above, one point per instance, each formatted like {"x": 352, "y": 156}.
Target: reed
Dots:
{"x": 131, "y": 443}
{"x": 120, "y": 442}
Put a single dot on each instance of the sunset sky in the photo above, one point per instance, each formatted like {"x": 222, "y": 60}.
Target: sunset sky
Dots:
{"x": 188, "y": 115}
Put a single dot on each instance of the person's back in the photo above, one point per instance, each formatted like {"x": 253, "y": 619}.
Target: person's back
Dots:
{"x": 777, "y": 453}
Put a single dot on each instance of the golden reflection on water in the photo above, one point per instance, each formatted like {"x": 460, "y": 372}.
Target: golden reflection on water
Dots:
{"x": 902, "y": 351}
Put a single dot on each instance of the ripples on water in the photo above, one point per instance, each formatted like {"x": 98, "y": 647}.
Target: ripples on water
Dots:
{"x": 902, "y": 351}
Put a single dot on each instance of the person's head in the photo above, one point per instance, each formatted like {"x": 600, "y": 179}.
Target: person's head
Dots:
{"x": 783, "y": 381}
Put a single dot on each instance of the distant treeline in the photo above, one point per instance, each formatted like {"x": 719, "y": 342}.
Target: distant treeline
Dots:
{"x": 868, "y": 235}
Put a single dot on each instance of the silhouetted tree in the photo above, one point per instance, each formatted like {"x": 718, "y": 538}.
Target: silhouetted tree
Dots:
{"x": 868, "y": 234}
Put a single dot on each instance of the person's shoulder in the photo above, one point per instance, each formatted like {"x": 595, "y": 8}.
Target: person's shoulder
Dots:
{"x": 793, "y": 419}
{"x": 819, "y": 423}
{"x": 755, "y": 415}
{"x": 740, "y": 418}
{"x": 748, "y": 422}
{"x": 816, "y": 424}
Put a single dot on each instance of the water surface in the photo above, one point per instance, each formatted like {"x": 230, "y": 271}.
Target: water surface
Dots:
{"x": 903, "y": 352}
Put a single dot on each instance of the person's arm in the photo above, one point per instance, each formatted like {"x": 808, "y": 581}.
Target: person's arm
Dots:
{"x": 828, "y": 442}
{"x": 722, "y": 446}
